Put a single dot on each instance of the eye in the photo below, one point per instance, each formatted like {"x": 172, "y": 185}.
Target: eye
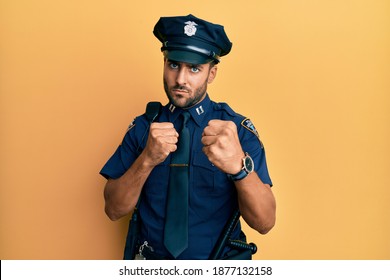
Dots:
{"x": 195, "y": 69}
{"x": 173, "y": 65}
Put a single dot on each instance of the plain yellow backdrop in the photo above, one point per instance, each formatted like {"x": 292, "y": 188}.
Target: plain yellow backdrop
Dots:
{"x": 314, "y": 77}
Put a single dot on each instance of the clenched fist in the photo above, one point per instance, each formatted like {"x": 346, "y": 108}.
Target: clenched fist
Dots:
{"x": 161, "y": 142}
{"x": 222, "y": 146}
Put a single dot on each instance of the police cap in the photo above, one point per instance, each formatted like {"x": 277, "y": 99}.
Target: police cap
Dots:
{"x": 191, "y": 39}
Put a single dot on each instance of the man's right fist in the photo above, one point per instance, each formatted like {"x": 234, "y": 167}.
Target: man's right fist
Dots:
{"x": 161, "y": 142}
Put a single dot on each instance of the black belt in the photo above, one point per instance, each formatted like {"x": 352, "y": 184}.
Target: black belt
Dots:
{"x": 241, "y": 251}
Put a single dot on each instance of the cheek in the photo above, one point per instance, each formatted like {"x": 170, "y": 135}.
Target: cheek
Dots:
{"x": 168, "y": 78}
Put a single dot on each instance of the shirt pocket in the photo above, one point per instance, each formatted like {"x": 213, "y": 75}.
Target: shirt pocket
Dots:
{"x": 208, "y": 179}
{"x": 212, "y": 193}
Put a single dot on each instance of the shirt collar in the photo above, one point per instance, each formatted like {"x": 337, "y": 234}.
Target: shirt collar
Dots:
{"x": 197, "y": 112}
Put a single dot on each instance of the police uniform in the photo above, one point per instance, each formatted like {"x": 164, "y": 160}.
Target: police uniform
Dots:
{"x": 212, "y": 196}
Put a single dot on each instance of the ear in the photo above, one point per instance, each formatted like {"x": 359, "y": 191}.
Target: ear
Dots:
{"x": 212, "y": 74}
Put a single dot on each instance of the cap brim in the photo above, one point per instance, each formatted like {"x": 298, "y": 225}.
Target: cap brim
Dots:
{"x": 187, "y": 57}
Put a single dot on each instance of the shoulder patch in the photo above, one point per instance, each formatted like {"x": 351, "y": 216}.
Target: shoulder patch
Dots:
{"x": 131, "y": 126}
{"x": 247, "y": 123}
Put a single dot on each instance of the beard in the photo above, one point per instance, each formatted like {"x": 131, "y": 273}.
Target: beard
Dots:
{"x": 198, "y": 94}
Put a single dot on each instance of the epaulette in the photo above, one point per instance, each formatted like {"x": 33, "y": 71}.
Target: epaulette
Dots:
{"x": 225, "y": 107}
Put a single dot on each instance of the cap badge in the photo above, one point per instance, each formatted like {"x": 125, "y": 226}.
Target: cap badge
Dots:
{"x": 190, "y": 28}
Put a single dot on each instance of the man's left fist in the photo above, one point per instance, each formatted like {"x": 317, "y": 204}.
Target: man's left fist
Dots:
{"x": 222, "y": 146}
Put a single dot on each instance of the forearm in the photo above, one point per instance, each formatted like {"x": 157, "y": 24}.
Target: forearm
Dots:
{"x": 121, "y": 195}
{"x": 257, "y": 203}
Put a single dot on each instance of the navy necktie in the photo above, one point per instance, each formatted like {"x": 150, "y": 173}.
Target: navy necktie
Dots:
{"x": 176, "y": 220}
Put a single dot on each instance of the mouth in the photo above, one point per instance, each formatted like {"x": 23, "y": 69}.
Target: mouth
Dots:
{"x": 180, "y": 92}
{"x": 180, "y": 89}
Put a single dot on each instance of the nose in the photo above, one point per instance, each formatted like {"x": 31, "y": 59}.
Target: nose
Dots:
{"x": 181, "y": 78}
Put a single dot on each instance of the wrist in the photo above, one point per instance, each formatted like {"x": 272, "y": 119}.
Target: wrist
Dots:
{"x": 146, "y": 162}
{"x": 237, "y": 164}
{"x": 247, "y": 167}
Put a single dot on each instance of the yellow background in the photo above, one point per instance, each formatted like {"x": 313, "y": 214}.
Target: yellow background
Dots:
{"x": 314, "y": 77}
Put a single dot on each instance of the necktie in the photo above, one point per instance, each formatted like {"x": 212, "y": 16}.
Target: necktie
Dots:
{"x": 176, "y": 220}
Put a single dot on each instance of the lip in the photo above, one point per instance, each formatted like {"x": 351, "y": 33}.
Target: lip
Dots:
{"x": 178, "y": 91}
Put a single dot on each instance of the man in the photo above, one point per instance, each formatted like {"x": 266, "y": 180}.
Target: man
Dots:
{"x": 226, "y": 167}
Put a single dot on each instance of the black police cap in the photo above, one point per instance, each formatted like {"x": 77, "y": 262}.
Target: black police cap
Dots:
{"x": 191, "y": 39}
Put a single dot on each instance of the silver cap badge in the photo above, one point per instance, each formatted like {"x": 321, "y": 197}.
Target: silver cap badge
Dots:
{"x": 190, "y": 28}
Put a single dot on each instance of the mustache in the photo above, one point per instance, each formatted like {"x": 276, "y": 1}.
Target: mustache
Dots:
{"x": 182, "y": 88}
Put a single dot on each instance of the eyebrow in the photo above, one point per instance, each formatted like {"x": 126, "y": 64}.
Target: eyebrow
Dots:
{"x": 186, "y": 64}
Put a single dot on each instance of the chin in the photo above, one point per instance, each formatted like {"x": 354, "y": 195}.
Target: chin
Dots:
{"x": 180, "y": 102}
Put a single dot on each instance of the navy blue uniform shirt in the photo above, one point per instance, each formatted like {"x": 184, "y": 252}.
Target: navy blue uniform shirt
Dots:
{"x": 212, "y": 196}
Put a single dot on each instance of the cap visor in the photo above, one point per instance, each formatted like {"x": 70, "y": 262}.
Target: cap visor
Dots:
{"x": 187, "y": 57}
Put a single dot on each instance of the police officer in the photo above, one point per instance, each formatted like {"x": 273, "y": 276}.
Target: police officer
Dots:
{"x": 227, "y": 164}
